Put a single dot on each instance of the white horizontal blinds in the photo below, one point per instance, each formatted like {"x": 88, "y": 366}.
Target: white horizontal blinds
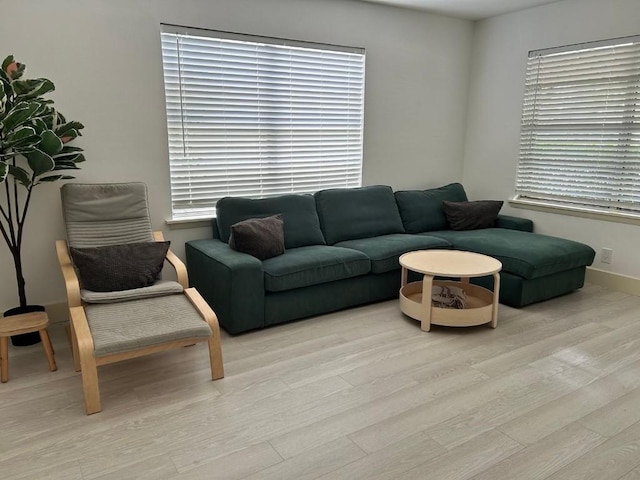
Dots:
{"x": 252, "y": 118}
{"x": 580, "y": 137}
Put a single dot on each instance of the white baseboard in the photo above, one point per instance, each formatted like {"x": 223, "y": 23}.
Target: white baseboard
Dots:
{"x": 613, "y": 281}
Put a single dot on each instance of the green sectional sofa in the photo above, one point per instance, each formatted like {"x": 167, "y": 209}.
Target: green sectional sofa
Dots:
{"x": 342, "y": 249}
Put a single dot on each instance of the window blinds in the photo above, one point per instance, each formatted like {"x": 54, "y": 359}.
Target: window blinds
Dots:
{"x": 256, "y": 117}
{"x": 580, "y": 135}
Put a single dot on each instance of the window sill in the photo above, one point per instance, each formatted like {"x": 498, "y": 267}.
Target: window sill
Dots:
{"x": 188, "y": 223}
{"x": 576, "y": 211}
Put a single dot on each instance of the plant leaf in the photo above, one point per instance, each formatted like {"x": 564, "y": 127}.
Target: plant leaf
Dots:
{"x": 20, "y": 175}
{"x": 39, "y": 125}
{"x": 53, "y": 178}
{"x": 44, "y": 109}
{"x": 50, "y": 143}
{"x": 4, "y": 170}
{"x": 62, "y": 130}
{"x": 18, "y": 136}
{"x": 46, "y": 114}
{"x": 39, "y": 162}
{"x": 7, "y": 61}
{"x": 26, "y": 144}
{"x": 18, "y": 115}
{"x": 67, "y": 149}
{"x": 32, "y": 88}
{"x": 69, "y": 135}
{"x": 16, "y": 74}
{"x": 64, "y": 165}
{"x": 70, "y": 158}
{"x": 3, "y": 98}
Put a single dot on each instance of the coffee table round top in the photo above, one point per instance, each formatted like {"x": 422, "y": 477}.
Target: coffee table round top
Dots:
{"x": 452, "y": 263}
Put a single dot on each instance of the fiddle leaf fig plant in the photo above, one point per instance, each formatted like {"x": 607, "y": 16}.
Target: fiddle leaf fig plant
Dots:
{"x": 34, "y": 149}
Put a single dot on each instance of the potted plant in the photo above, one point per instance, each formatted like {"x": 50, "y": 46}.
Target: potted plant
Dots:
{"x": 34, "y": 149}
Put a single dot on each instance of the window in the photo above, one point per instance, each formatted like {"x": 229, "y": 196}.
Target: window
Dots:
{"x": 255, "y": 117}
{"x": 580, "y": 137}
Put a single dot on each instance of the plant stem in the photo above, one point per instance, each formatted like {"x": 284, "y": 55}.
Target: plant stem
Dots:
{"x": 17, "y": 251}
{"x": 17, "y": 261}
{"x": 5, "y": 235}
{"x": 15, "y": 193}
{"x": 4, "y": 214}
{"x": 9, "y": 215}
{"x": 21, "y": 219}
{"x": 14, "y": 245}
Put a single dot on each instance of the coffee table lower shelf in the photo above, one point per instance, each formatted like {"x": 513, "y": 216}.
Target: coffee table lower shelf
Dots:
{"x": 478, "y": 309}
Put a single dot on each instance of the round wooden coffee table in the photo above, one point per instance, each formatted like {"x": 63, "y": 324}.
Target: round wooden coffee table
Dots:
{"x": 481, "y": 305}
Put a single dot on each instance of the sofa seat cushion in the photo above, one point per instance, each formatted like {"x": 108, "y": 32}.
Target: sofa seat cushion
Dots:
{"x": 304, "y": 266}
{"x": 301, "y": 223}
{"x": 528, "y": 255}
{"x": 384, "y": 251}
{"x": 351, "y": 213}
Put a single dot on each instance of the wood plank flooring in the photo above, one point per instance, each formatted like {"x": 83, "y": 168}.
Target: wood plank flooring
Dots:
{"x": 552, "y": 393}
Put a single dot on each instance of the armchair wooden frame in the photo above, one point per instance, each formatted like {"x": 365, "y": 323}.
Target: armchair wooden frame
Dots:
{"x": 82, "y": 346}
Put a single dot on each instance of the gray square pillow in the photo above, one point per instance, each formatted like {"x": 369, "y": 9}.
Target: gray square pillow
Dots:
{"x": 119, "y": 267}
{"x": 472, "y": 215}
{"x": 261, "y": 237}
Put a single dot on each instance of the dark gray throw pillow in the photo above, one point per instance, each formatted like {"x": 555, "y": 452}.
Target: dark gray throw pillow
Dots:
{"x": 472, "y": 215}
{"x": 119, "y": 267}
{"x": 261, "y": 237}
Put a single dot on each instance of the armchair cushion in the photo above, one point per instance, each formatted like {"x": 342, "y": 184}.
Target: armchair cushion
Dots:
{"x": 119, "y": 267}
{"x": 157, "y": 320}
{"x": 158, "y": 289}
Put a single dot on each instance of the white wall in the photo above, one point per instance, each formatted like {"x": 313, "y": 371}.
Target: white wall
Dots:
{"x": 104, "y": 57}
{"x": 501, "y": 45}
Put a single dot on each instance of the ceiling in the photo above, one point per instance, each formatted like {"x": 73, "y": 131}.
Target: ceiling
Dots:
{"x": 469, "y": 9}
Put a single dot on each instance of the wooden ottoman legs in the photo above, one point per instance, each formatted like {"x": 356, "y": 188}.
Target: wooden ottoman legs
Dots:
{"x": 4, "y": 359}
{"x": 48, "y": 349}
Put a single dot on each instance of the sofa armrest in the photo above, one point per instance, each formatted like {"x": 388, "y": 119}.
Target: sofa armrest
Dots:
{"x": 514, "y": 223}
{"x": 231, "y": 282}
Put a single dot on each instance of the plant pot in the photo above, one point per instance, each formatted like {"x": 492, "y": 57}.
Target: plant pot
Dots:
{"x": 26, "y": 338}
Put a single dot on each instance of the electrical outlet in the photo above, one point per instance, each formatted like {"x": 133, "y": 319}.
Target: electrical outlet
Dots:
{"x": 606, "y": 256}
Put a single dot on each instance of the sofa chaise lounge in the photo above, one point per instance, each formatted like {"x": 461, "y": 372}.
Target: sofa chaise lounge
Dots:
{"x": 342, "y": 250}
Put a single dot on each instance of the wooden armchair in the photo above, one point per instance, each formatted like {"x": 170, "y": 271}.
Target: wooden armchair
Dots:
{"x": 130, "y": 323}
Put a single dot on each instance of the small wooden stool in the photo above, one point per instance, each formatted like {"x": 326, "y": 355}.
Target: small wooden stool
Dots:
{"x": 19, "y": 324}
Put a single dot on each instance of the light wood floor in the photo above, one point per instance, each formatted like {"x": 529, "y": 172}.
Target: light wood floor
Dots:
{"x": 553, "y": 392}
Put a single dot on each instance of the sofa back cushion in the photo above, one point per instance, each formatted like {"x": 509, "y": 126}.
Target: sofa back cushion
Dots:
{"x": 350, "y": 213}
{"x": 422, "y": 210}
{"x": 301, "y": 223}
